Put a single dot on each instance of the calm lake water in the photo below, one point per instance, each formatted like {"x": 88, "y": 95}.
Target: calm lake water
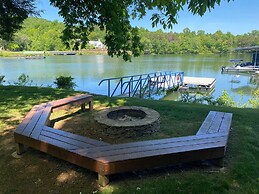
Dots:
{"x": 88, "y": 70}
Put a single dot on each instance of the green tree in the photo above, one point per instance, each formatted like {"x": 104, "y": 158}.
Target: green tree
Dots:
{"x": 40, "y": 34}
{"x": 80, "y": 17}
{"x": 12, "y": 15}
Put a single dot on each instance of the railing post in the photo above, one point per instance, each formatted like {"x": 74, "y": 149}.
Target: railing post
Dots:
{"x": 157, "y": 78}
{"x": 149, "y": 87}
{"x": 121, "y": 84}
{"x": 129, "y": 87}
{"x": 140, "y": 86}
{"x": 109, "y": 87}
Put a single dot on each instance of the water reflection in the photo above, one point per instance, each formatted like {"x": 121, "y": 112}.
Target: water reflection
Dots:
{"x": 90, "y": 69}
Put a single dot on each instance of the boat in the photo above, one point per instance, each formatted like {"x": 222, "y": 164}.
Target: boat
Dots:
{"x": 240, "y": 65}
{"x": 35, "y": 57}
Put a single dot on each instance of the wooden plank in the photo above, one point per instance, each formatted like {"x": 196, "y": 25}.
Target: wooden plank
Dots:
{"x": 86, "y": 140}
{"x": 26, "y": 120}
{"x": 33, "y": 122}
{"x": 66, "y": 103}
{"x": 41, "y": 122}
{"x": 151, "y": 153}
{"x": 110, "y": 150}
{"x": 199, "y": 81}
{"x": 63, "y": 101}
{"x": 206, "y": 123}
{"x": 160, "y": 160}
{"x": 78, "y": 144}
{"x": 57, "y": 143}
{"x": 133, "y": 153}
{"x": 214, "y": 128}
{"x": 152, "y": 142}
{"x": 59, "y": 152}
{"x": 226, "y": 123}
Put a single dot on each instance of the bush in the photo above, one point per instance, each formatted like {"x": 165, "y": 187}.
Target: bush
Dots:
{"x": 254, "y": 101}
{"x": 23, "y": 80}
{"x": 2, "y": 79}
{"x": 65, "y": 82}
{"x": 225, "y": 100}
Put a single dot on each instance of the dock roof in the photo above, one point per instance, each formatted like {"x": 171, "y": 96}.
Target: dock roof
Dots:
{"x": 252, "y": 48}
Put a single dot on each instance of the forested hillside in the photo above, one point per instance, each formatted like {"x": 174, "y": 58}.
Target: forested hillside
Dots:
{"x": 38, "y": 35}
{"x": 42, "y": 35}
{"x": 193, "y": 42}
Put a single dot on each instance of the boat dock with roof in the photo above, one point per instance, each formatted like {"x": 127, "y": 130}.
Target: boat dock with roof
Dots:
{"x": 244, "y": 67}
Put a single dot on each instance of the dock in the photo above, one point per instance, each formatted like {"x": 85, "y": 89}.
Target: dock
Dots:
{"x": 63, "y": 52}
{"x": 198, "y": 83}
{"x": 146, "y": 85}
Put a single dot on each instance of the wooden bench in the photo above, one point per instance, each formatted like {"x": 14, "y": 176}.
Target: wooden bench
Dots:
{"x": 106, "y": 159}
{"x": 35, "y": 126}
{"x": 209, "y": 143}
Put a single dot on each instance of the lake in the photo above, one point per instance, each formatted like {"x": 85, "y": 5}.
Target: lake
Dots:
{"x": 89, "y": 70}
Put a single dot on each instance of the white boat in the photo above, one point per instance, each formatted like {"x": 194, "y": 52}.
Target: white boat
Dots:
{"x": 244, "y": 67}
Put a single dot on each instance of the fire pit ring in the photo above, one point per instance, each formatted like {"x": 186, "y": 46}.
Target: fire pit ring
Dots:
{"x": 128, "y": 121}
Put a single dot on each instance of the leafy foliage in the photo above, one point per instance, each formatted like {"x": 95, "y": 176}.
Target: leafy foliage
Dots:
{"x": 23, "y": 80}
{"x": 121, "y": 38}
{"x": 200, "y": 98}
{"x": 41, "y": 34}
{"x": 225, "y": 100}
{"x": 192, "y": 42}
{"x": 65, "y": 82}
{"x": 254, "y": 101}
{"x": 12, "y": 15}
{"x": 2, "y": 79}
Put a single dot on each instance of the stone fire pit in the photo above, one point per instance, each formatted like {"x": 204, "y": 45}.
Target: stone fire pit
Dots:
{"x": 128, "y": 121}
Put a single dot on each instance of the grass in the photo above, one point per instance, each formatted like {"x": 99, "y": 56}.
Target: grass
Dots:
{"x": 11, "y": 54}
{"x": 41, "y": 173}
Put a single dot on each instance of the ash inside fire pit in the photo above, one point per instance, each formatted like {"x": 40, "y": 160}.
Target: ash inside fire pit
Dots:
{"x": 128, "y": 121}
{"x": 126, "y": 115}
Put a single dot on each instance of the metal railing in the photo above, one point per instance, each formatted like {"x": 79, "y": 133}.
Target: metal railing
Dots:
{"x": 143, "y": 84}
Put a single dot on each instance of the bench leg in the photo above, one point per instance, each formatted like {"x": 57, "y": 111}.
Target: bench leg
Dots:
{"x": 20, "y": 148}
{"x": 103, "y": 180}
{"x": 83, "y": 107}
{"x": 90, "y": 105}
{"x": 219, "y": 162}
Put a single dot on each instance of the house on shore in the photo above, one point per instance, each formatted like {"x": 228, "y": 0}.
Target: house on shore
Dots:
{"x": 97, "y": 44}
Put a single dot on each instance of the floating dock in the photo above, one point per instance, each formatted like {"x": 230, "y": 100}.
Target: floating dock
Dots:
{"x": 63, "y": 52}
{"x": 198, "y": 83}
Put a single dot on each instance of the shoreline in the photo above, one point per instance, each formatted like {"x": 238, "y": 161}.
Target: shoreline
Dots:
{"x": 5, "y": 54}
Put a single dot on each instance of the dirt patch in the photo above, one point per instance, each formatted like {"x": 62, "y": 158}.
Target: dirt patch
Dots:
{"x": 84, "y": 124}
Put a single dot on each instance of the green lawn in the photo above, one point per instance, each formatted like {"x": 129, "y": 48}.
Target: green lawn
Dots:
{"x": 37, "y": 172}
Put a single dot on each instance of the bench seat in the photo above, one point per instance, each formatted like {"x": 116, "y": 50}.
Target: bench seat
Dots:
{"x": 141, "y": 155}
{"x": 215, "y": 122}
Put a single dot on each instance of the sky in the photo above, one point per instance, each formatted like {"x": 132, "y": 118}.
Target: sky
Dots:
{"x": 237, "y": 17}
